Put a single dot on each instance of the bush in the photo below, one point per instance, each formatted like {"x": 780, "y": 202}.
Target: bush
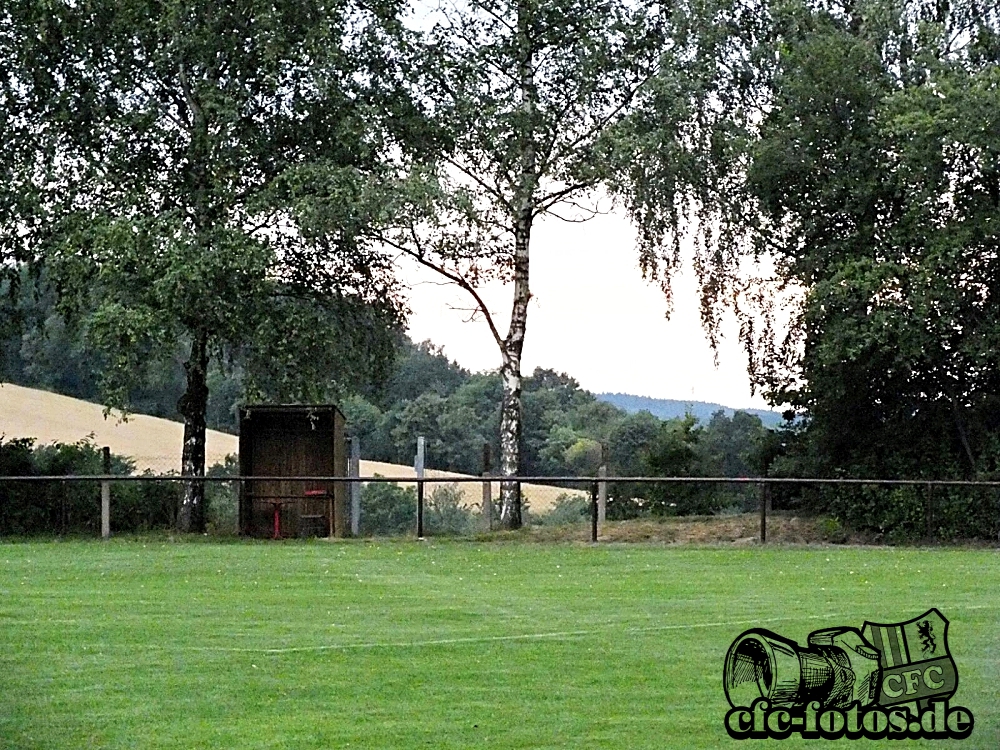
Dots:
{"x": 566, "y": 509}
{"x": 831, "y": 530}
{"x": 899, "y": 514}
{"x": 222, "y": 504}
{"x": 446, "y": 512}
{"x": 387, "y": 509}
{"x": 75, "y": 507}
{"x": 143, "y": 506}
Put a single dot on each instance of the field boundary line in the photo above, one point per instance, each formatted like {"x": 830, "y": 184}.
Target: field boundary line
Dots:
{"x": 555, "y": 635}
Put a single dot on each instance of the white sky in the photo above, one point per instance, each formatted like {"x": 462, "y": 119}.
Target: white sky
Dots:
{"x": 593, "y": 317}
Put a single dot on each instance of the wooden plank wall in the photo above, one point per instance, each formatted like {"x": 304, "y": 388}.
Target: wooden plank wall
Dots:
{"x": 285, "y": 442}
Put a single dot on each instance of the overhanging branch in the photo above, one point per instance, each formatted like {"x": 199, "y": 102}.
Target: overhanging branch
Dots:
{"x": 453, "y": 276}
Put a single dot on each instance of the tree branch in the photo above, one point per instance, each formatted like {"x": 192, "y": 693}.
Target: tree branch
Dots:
{"x": 491, "y": 189}
{"x": 196, "y": 112}
{"x": 453, "y": 276}
{"x": 601, "y": 123}
{"x": 545, "y": 204}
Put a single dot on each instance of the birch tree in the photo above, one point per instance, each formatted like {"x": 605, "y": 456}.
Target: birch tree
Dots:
{"x": 549, "y": 106}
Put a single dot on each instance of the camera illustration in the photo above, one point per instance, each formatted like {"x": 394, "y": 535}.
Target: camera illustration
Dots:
{"x": 836, "y": 668}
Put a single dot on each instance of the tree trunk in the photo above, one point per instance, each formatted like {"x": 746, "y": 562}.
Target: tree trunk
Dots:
{"x": 192, "y": 406}
{"x": 510, "y": 372}
{"x": 523, "y": 215}
{"x": 194, "y": 403}
{"x": 510, "y": 443}
{"x": 962, "y": 434}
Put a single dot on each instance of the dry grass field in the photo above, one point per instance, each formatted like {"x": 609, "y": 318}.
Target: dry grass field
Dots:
{"x": 154, "y": 443}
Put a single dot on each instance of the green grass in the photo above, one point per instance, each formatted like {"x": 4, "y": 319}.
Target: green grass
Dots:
{"x": 152, "y": 644}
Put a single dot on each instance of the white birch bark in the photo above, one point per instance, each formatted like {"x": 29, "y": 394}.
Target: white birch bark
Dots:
{"x": 525, "y": 206}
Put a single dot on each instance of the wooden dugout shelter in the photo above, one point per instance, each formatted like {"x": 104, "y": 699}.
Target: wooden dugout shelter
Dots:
{"x": 284, "y": 440}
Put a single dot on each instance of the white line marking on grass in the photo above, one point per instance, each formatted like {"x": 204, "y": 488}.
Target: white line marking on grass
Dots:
{"x": 496, "y": 638}
{"x": 530, "y": 636}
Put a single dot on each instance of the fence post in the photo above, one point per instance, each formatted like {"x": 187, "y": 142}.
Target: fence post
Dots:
{"x": 929, "y": 515}
{"x": 418, "y": 467}
{"x": 420, "y": 508}
{"x": 765, "y": 500}
{"x": 602, "y": 495}
{"x": 487, "y": 488}
{"x": 418, "y": 460}
{"x": 594, "y": 491}
{"x": 354, "y": 470}
{"x": 106, "y": 496}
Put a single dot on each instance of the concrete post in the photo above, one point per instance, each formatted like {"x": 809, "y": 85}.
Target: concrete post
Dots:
{"x": 418, "y": 467}
{"x": 354, "y": 470}
{"x": 418, "y": 460}
{"x": 487, "y": 488}
{"x": 106, "y": 496}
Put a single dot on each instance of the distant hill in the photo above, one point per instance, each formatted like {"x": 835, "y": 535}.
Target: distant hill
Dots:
{"x": 668, "y": 408}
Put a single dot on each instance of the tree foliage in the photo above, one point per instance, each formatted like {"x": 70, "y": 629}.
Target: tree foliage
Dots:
{"x": 543, "y": 108}
{"x": 877, "y": 176}
{"x": 146, "y": 147}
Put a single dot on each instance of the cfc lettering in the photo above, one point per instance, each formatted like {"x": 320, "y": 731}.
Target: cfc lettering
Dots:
{"x": 932, "y": 683}
{"x": 908, "y": 682}
{"x": 779, "y": 723}
{"x": 912, "y": 681}
{"x": 891, "y": 691}
{"x": 738, "y": 722}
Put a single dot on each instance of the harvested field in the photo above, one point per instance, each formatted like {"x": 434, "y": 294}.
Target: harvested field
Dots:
{"x": 155, "y": 444}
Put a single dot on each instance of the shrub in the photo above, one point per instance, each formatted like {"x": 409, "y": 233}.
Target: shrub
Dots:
{"x": 566, "y": 509}
{"x": 898, "y": 514}
{"x": 75, "y": 507}
{"x": 446, "y": 512}
{"x": 143, "y": 506}
{"x": 222, "y": 505}
{"x": 831, "y": 530}
{"x": 387, "y": 509}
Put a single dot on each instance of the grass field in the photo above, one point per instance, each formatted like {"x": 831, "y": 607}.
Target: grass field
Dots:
{"x": 149, "y": 643}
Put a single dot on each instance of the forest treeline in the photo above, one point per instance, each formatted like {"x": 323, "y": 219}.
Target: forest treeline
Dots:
{"x": 425, "y": 393}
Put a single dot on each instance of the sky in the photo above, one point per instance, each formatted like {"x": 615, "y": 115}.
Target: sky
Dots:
{"x": 593, "y": 317}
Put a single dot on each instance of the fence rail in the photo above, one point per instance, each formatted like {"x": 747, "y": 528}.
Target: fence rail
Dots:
{"x": 594, "y": 489}
{"x": 505, "y": 480}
